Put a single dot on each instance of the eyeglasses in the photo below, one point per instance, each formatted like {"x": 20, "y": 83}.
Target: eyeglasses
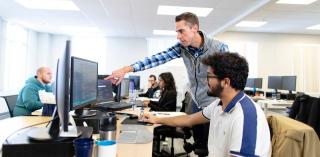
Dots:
{"x": 151, "y": 80}
{"x": 208, "y": 77}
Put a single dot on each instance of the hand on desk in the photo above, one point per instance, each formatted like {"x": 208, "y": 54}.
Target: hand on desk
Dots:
{"x": 149, "y": 117}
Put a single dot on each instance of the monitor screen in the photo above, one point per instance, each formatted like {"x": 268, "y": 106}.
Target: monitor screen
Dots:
{"x": 84, "y": 81}
{"x": 274, "y": 82}
{"x": 125, "y": 87}
{"x": 250, "y": 82}
{"x": 254, "y": 83}
{"x": 289, "y": 83}
{"x": 258, "y": 82}
{"x": 104, "y": 91}
{"x": 136, "y": 80}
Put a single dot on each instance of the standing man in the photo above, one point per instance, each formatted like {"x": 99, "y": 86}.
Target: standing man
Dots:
{"x": 193, "y": 46}
{"x": 153, "y": 87}
{"x": 28, "y": 99}
{"x": 238, "y": 126}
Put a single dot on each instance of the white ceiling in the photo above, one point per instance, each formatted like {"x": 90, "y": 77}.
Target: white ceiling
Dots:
{"x": 137, "y": 18}
{"x": 285, "y": 18}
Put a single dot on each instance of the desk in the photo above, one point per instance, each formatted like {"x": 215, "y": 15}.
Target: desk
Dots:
{"x": 12, "y": 125}
{"x": 268, "y": 105}
{"x": 123, "y": 150}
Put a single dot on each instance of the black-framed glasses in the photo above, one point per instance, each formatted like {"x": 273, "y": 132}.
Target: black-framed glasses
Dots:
{"x": 212, "y": 76}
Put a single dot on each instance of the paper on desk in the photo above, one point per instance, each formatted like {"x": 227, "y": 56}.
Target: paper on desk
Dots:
{"x": 168, "y": 114}
{"x": 46, "y": 97}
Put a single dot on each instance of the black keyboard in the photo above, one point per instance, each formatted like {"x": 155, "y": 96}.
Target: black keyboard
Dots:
{"x": 113, "y": 106}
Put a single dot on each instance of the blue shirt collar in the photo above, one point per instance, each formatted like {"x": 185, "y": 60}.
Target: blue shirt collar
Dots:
{"x": 233, "y": 102}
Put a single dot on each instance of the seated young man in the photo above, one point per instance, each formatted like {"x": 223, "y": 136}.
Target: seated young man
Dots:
{"x": 153, "y": 88}
{"x": 28, "y": 99}
{"x": 238, "y": 126}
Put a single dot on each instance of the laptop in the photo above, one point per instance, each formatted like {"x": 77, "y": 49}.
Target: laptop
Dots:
{"x": 105, "y": 99}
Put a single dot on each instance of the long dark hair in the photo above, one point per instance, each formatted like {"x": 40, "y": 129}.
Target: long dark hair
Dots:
{"x": 168, "y": 79}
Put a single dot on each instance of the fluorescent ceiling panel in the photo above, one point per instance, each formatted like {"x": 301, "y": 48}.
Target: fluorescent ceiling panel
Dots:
{"x": 79, "y": 29}
{"x": 49, "y": 4}
{"x": 176, "y": 10}
{"x": 164, "y": 32}
{"x": 315, "y": 27}
{"x": 304, "y": 2}
{"x": 251, "y": 24}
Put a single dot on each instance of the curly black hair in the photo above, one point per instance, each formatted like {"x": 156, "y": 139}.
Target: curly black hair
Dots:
{"x": 168, "y": 79}
{"x": 229, "y": 65}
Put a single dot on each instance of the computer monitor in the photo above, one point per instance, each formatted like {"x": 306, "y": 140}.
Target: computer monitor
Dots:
{"x": 275, "y": 82}
{"x": 136, "y": 80}
{"x": 289, "y": 83}
{"x": 84, "y": 84}
{"x": 254, "y": 83}
{"x": 63, "y": 87}
{"x": 250, "y": 82}
{"x": 125, "y": 88}
{"x": 104, "y": 91}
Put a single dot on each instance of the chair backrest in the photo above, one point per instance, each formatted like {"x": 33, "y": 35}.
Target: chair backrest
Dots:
{"x": 11, "y": 101}
{"x": 4, "y": 111}
{"x": 187, "y": 103}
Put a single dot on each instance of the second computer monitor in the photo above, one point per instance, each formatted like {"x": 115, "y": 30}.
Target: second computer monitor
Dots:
{"x": 254, "y": 83}
{"x": 289, "y": 83}
{"x": 125, "y": 88}
{"x": 274, "y": 82}
{"x": 84, "y": 77}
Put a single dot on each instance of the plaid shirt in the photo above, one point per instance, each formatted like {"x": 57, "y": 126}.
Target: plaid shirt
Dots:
{"x": 170, "y": 54}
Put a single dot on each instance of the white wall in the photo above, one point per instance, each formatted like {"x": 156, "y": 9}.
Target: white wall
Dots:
{"x": 2, "y": 55}
{"x": 44, "y": 50}
{"x": 284, "y": 54}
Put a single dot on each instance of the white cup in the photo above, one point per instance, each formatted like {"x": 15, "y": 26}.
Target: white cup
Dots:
{"x": 106, "y": 148}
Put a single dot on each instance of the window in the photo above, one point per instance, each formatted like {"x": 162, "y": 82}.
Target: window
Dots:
{"x": 15, "y": 57}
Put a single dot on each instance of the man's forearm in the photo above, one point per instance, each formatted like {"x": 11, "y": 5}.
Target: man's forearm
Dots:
{"x": 183, "y": 121}
{"x": 128, "y": 69}
{"x": 178, "y": 121}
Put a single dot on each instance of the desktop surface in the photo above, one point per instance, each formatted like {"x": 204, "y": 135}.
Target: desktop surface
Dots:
{"x": 123, "y": 149}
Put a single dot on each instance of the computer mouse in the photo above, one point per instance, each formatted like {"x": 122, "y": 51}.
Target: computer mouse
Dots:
{"x": 133, "y": 116}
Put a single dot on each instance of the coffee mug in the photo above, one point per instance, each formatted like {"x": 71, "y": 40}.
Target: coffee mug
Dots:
{"x": 106, "y": 148}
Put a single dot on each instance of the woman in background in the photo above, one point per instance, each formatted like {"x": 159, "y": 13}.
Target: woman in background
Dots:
{"x": 168, "y": 92}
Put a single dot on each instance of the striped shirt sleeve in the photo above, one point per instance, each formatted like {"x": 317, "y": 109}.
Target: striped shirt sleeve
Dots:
{"x": 158, "y": 59}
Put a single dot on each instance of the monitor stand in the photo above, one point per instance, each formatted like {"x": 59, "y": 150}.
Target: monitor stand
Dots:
{"x": 42, "y": 134}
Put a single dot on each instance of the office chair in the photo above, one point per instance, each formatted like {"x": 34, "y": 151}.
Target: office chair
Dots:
{"x": 11, "y": 101}
{"x": 175, "y": 132}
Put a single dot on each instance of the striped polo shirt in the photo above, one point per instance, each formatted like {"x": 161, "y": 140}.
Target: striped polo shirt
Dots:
{"x": 239, "y": 130}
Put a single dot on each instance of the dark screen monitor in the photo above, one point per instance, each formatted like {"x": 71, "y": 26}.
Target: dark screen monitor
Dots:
{"x": 136, "y": 80}
{"x": 274, "y": 82}
{"x": 250, "y": 82}
{"x": 289, "y": 83}
{"x": 254, "y": 82}
{"x": 104, "y": 91}
{"x": 84, "y": 82}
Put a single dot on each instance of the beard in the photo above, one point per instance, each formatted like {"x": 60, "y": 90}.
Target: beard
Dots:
{"x": 215, "y": 91}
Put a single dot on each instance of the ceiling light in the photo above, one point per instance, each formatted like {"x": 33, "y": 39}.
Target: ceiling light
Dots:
{"x": 251, "y": 24}
{"x": 315, "y": 27}
{"x": 164, "y": 32}
{"x": 176, "y": 10}
{"x": 79, "y": 29}
{"x": 304, "y": 2}
{"x": 49, "y": 4}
